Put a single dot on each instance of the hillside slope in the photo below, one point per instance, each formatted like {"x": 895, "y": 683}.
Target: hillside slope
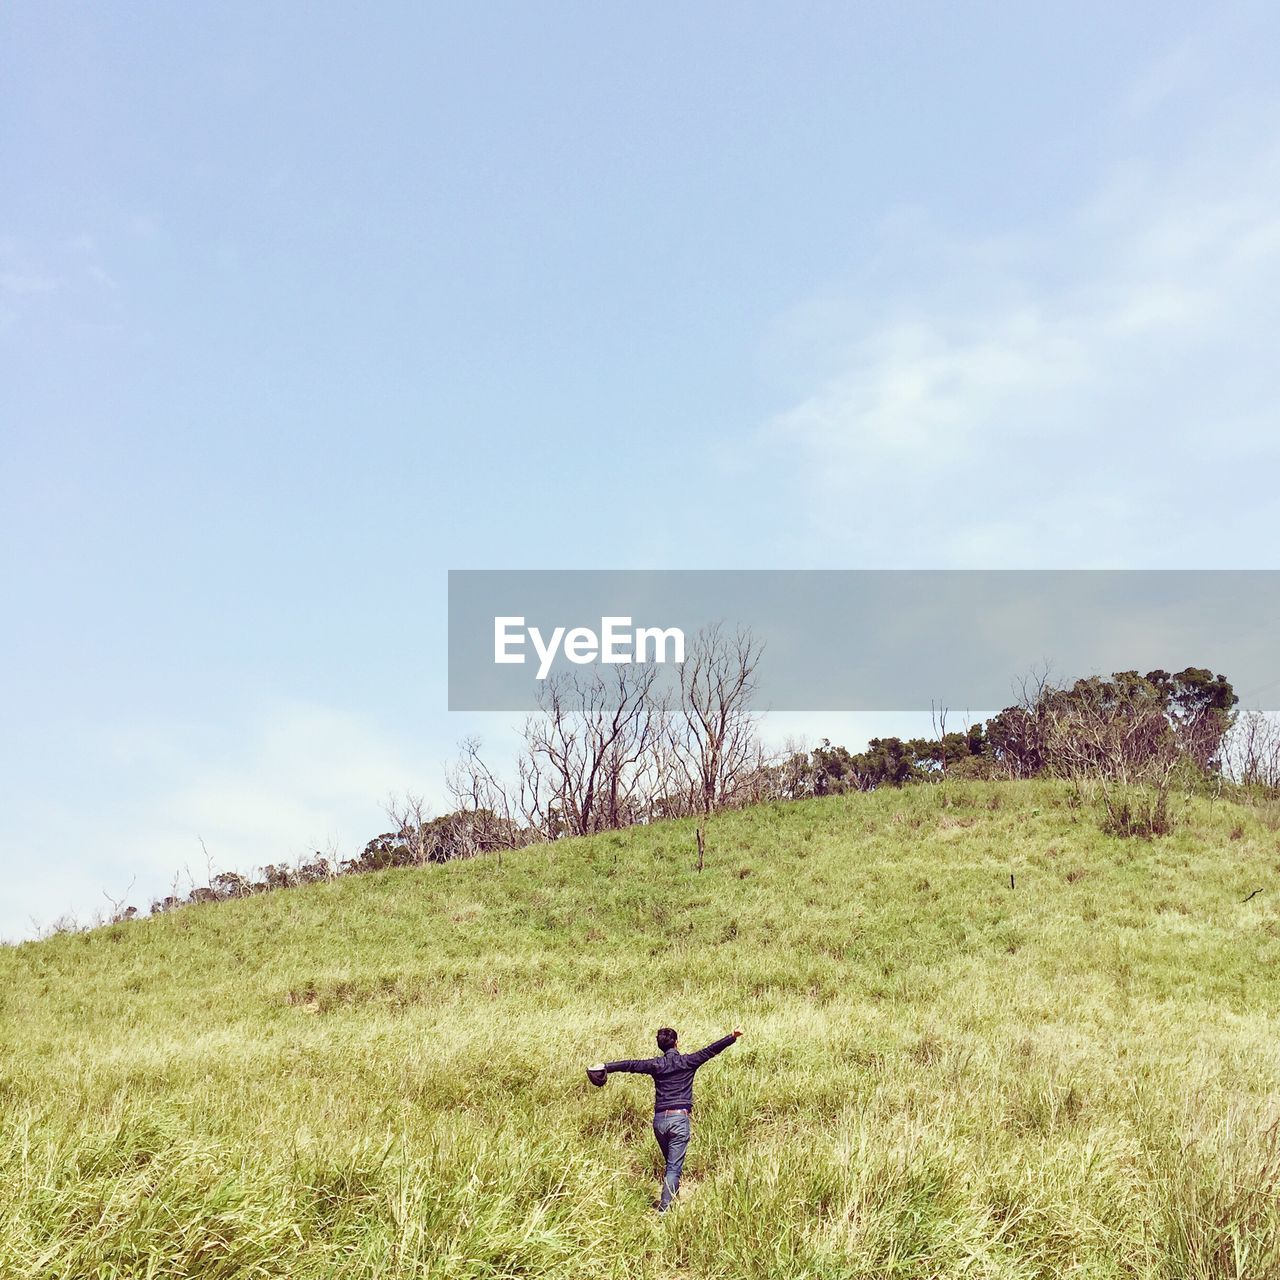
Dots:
{"x": 941, "y": 1076}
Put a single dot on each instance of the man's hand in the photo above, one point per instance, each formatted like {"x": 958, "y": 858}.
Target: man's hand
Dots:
{"x": 737, "y": 1033}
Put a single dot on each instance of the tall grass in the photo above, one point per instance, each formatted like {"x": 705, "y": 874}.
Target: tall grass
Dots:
{"x": 942, "y": 1075}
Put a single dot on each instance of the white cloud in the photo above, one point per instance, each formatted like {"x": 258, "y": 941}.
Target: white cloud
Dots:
{"x": 1104, "y": 393}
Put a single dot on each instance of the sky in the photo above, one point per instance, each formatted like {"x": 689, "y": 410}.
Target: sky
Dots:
{"x": 303, "y": 306}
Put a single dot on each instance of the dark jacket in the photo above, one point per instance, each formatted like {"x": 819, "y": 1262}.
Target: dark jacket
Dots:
{"x": 672, "y": 1073}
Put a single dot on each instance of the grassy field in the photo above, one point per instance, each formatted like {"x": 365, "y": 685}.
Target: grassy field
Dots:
{"x": 942, "y": 1075}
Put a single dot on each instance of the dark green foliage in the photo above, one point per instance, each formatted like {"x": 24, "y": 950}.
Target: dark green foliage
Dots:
{"x": 1114, "y": 725}
{"x": 1016, "y": 743}
{"x": 887, "y": 762}
{"x": 454, "y": 835}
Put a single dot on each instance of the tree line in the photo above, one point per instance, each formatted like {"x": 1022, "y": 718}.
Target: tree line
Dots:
{"x": 614, "y": 747}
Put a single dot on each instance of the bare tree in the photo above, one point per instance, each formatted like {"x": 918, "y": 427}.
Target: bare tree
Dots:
{"x": 120, "y": 911}
{"x": 1251, "y": 751}
{"x": 793, "y": 773}
{"x": 487, "y": 818}
{"x": 713, "y": 732}
{"x": 586, "y": 760}
{"x": 410, "y": 818}
{"x": 332, "y": 858}
{"x": 657, "y": 782}
{"x": 938, "y": 714}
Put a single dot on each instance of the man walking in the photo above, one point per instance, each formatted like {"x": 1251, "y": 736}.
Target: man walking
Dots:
{"x": 672, "y": 1074}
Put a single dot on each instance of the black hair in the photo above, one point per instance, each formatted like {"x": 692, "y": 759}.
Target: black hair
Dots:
{"x": 666, "y": 1038}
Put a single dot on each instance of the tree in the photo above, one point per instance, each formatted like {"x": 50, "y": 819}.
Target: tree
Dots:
{"x": 1127, "y": 736}
{"x": 1251, "y": 751}
{"x": 1015, "y": 738}
{"x": 1199, "y": 706}
{"x": 585, "y": 758}
{"x": 713, "y": 732}
{"x": 485, "y": 804}
{"x": 409, "y": 818}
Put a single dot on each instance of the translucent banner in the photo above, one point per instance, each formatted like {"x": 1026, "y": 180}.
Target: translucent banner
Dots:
{"x": 864, "y": 640}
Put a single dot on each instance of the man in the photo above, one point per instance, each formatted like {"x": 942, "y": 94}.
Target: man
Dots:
{"x": 672, "y": 1076}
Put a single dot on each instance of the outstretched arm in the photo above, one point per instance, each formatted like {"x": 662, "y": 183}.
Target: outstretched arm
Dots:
{"x": 719, "y": 1046}
{"x": 641, "y": 1066}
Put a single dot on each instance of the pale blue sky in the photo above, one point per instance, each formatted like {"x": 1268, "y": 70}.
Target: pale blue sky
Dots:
{"x": 301, "y": 306}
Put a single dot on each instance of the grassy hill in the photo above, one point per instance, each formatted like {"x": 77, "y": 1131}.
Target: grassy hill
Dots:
{"x": 941, "y": 1076}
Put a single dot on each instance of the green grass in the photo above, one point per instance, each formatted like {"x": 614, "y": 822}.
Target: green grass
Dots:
{"x": 942, "y": 1076}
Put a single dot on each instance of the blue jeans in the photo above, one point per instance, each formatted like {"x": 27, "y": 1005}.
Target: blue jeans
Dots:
{"x": 672, "y": 1133}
